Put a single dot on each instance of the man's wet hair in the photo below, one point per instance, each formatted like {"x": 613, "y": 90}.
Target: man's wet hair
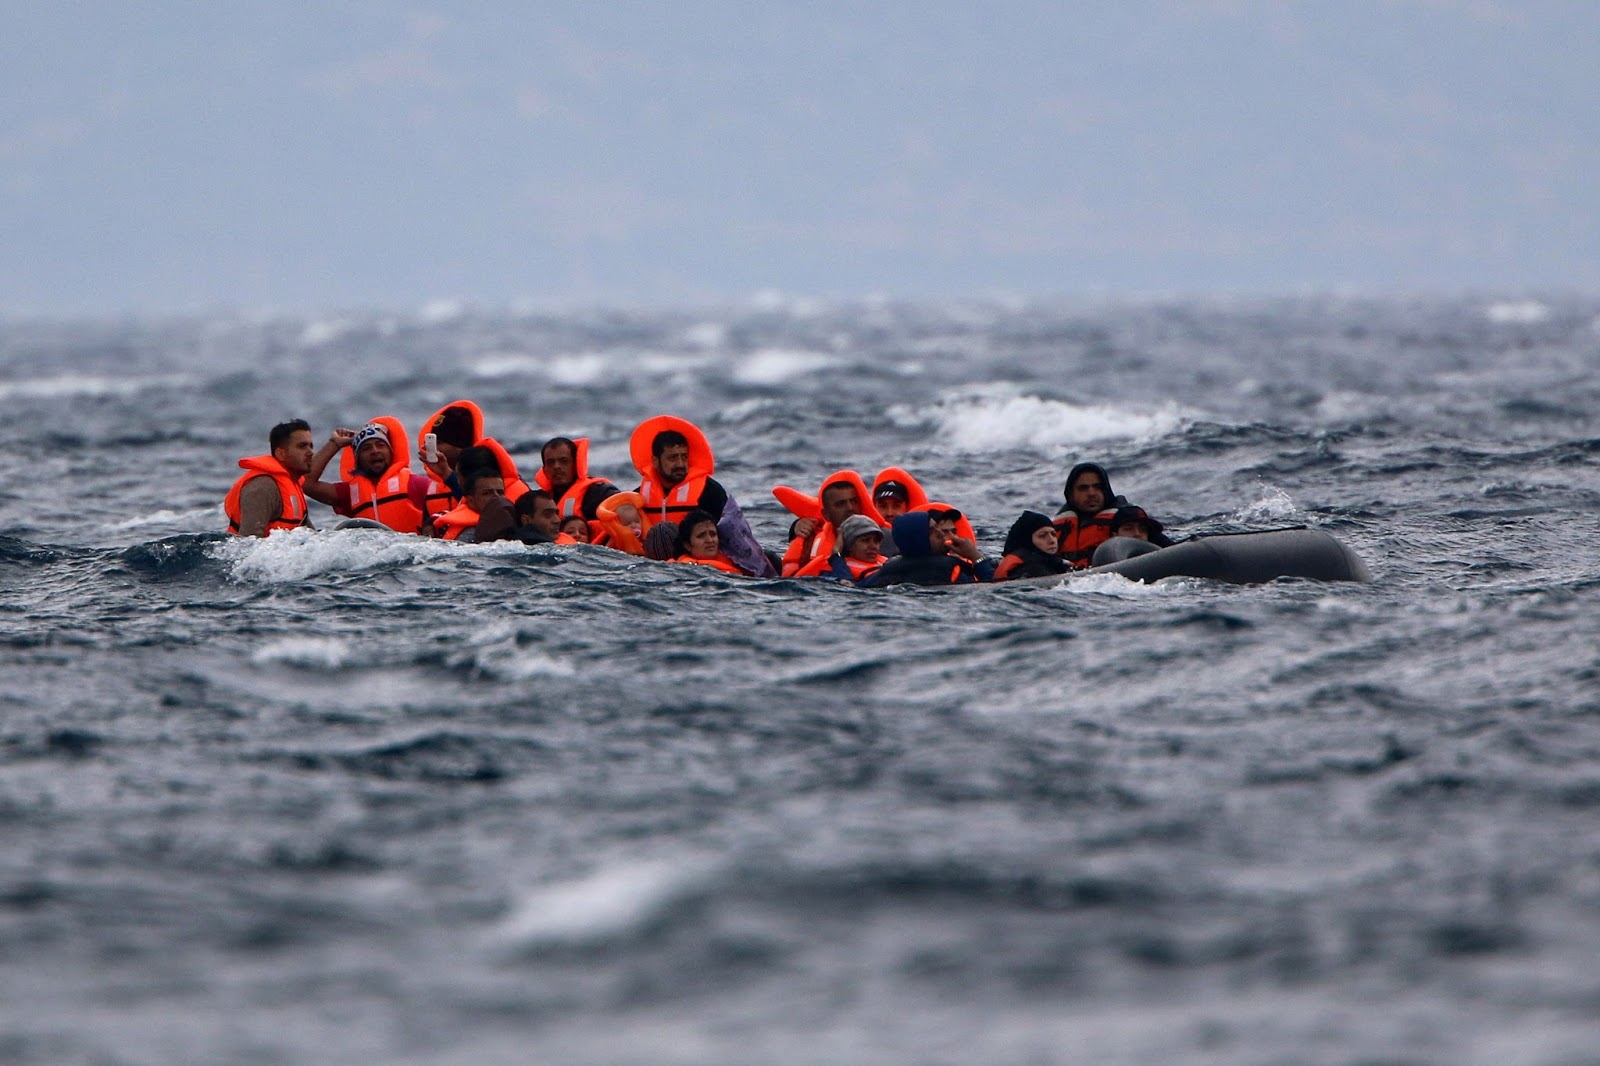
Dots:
{"x": 284, "y": 430}
{"x": 667, "y": 438}
{"x": 471, "y": 475}
{"x": 528, "y": 501}
{"x": 571, "y": 444}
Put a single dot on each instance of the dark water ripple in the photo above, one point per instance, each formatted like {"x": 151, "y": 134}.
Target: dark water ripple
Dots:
{"x": 343, "y": 798}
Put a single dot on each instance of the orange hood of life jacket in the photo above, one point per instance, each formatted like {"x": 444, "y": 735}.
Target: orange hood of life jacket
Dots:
{"x": 456, "y": 521}
{"x": 683, "y": 497}
{"x": 916, "y": 495}
{"x": 802, "y": 556}
{"x": 440, "y": 498}
{"x": 623, "y": 538}
{"x": 291, "y": 496}
{"x": 386, "y": 498}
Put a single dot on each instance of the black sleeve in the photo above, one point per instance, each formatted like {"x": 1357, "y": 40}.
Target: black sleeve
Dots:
{"x": 714, "y": 500}
{"x": 594, "y": 496}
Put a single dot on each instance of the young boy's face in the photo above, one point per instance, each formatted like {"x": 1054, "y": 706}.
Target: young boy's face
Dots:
{"x": 865, "y": 547}
{"x": 1134, "y": 529}
{"x": 891, "y": 507}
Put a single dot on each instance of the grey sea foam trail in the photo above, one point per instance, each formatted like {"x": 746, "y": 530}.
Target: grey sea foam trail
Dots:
{"x": 343, "y": 796}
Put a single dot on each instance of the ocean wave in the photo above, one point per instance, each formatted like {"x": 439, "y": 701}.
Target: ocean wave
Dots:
{"x": 996, "y": 416}
{"x": 774, "y": 366}
{"x": 298, "y": 554}
{"x": 323, "y": 653}
{"x": 1517, "y": 312}
{"x": 78, "y": 386}
{"x": 611, "y": 903}
{"x": 1117, "y": 587}
{"x": 1276, "y": 506}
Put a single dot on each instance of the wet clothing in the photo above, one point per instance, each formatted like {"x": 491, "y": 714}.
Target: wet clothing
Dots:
{"x": 1023, "y": 558}
{"x": 807, "y": 556}
{"x": 697, "y": 491}
{"x": 918, "y": 565}
{"x": 1153, "y": 529}
{"x": 291, "y": 496}
{"x": 586, "y": 493}
{"x": 852, "y": 570}
{"x": 1082, "y": 533}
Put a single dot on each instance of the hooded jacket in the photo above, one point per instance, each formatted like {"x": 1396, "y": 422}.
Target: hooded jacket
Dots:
{"x": 1081, "y": 534}
{"x": 1022, "y": 557}
{"x": 918, "y": 565}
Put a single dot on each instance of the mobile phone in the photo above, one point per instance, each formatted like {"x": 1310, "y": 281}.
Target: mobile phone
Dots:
{"x": 430, "y": 447}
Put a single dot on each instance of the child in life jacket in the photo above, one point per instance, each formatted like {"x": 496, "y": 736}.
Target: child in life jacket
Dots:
{"x": 576, "y": 527}
{"x": 1131, "y": 521}
{"x": 857, "y": 553}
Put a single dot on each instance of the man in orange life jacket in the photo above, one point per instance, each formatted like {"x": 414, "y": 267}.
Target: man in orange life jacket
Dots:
{"x": 269, "y": 495}
{"x": 565, "y": 476}
{"x": 380, "y": 484}
{"x": 842, "y": 496}
{"x": 675, "y": 464}
{"x": 1084, "y": 522}
{"x": 483, "y": 498}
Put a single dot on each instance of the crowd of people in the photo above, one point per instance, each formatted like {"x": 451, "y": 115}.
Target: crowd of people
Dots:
{"x": 469, "y": 489}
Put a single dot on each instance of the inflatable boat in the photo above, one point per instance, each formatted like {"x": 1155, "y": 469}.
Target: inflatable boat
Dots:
{"x": 1237, "y": 558}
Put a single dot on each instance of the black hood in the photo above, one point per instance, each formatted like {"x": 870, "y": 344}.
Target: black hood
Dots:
{"x": 1020, "y": 540}
{"x": 1078, "y": 471}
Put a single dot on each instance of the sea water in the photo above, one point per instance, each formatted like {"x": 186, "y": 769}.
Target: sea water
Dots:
{"x": 343, "y": 797}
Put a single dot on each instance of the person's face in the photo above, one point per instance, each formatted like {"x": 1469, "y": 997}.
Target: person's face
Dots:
{"x": 940, "y": 534}
{"x": 865, "y": 547}
{"x": 891, "y": 507}
{"x": 296, "y": 452}
{"x": 485, "y": 491}
{"x": 560, "y": 466}
{"x": 1088, "y": 493}
{"x": 374, "y": 457}
{"x": 629, "y": 516}
{"x": 673, "y": 463}
{"x": 838, "y": 503}
{"x": 546, "y": 517}
{"x": 703, "y": 541}
{"x": 1046, "y": 539}
{"x": 576, "y": 528}
{"x": 449, "y": 453}
{"x": 1136, "y": 530}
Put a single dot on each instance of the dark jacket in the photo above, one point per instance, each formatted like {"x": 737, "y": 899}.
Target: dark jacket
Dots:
{"x": 917, "y": 565}
{"x": 1022, "y": 556}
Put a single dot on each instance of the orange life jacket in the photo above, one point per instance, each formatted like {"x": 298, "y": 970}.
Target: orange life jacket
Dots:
{"x": 291, "y": 495}
{"x": 859, "y": 569}
{"x": 439, "y": 498}
{"x": 388, "y": 498}
{"x": 571, "y": 501}
{"x": 456, "y": 521}
{"x": 618, "y": 535}
{"x": 720, "y": 561}
{"x": 672, "y": 504}
{"x": 806, "y": 557}
{"x": 1080, "y": 537}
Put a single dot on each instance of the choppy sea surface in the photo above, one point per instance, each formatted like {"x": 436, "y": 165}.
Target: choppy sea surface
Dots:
{"x": 342, "y": 797}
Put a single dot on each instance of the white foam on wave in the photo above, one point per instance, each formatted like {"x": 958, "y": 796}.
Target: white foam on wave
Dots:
{"x": 774, "y": 366}
{"x": 1275, "y": 506}
{"x": 706, "y": 335}
{"x": 321, "y": 331}
{"x": 610, "y": 903}
{"x": 297, "y": 554}
{"x": 997, "y": 416}
{"x": 497, "y": 653}
{"x": 1113, "y": 585}
{"x": 320, "y": 653}
{"x": 68, "y": 386}
{"x": 208, "y": 517}
{"x": 1517, "y": 312}
{"x": 568, "y": 368}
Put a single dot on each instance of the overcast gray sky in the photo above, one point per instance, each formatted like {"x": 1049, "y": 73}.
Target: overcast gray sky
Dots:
{"x": 170, "y": 156}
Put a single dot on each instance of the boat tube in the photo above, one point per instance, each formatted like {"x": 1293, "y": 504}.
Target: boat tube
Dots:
{"x": 1237, "y": 558}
